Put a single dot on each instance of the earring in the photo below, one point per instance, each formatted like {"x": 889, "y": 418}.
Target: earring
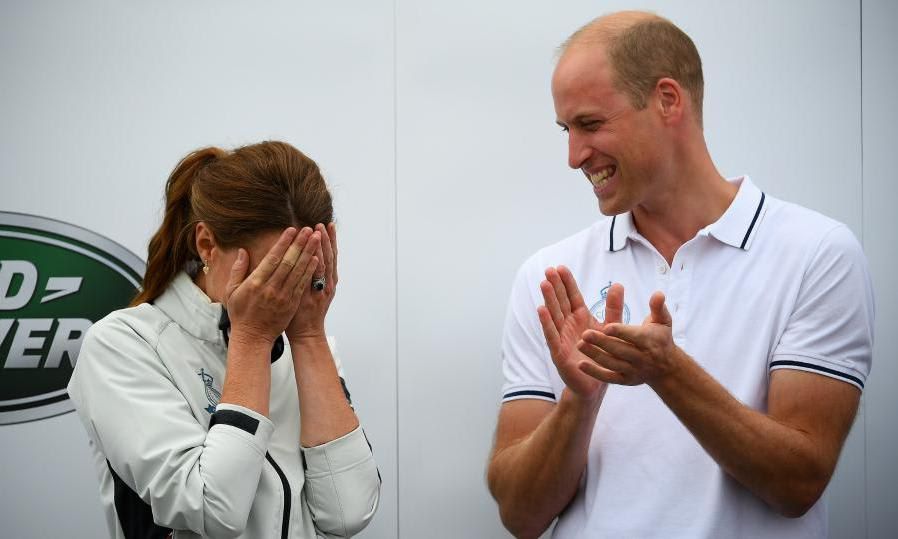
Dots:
{"x": 205, "y": 267}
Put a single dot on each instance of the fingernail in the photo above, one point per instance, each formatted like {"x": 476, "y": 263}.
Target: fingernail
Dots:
{"x": 241, "y": 255}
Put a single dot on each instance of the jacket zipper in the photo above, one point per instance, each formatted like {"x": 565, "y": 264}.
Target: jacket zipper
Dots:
{"x": 285, "y": 522}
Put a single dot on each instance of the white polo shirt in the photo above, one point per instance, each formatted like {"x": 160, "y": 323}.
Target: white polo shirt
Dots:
{"x": 770, "y": 285}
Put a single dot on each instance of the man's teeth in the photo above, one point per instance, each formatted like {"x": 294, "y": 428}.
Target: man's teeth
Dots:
{"x": 601, "y": 178}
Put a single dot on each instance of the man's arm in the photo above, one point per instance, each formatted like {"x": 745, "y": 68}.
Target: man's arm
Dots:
{"x": 538, "y": 458}
{"x": 786, "y": 456}
{"x": 541, "y": 448}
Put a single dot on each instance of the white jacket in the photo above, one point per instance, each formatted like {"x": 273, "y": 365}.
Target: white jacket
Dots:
{"x": 146, "y": 387}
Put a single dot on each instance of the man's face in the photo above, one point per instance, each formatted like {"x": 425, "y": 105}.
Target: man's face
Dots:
{"x": 615, "y": 145}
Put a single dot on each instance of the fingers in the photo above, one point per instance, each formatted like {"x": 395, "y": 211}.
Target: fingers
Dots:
{"x": 328, "y": 254}
{"x": 614, "y": 304}
{"x": 272, "y": 259}
{"x": 332, "y": 233}
{"x": 306, "y": 264}
{"x": 302, "y": 285}
{"x": 601, "y": 373}
{"x": 238, "y": 273}
{"x": 575, "y": 298}
{"x": 659, "y": 312}
{"x": 290, "y": 259}
{"x": 550, "y": 330}
{"x": 560, "y": 291}
{"x": 321, "y": 269}
{"x": 603, "y": 358}
{"x": 617, "y": 339}
{"x": 551, "y": 303}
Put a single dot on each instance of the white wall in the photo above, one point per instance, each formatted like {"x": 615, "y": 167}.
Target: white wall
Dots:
{"x": 100, "y": 99}
{"x": 434, "y": 124}
{"x": 880, "y": 117}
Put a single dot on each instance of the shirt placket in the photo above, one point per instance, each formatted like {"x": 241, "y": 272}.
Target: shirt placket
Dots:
{"x": 679, "y": 286}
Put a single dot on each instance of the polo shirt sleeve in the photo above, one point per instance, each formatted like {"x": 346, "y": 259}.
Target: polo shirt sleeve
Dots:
{"x": 525, "y": 355}
{"x": 830, "y": 330}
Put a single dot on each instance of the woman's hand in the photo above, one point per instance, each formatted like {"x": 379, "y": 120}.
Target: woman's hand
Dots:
{"x": 261, "y": 305}
{"x": 308, "y": 322}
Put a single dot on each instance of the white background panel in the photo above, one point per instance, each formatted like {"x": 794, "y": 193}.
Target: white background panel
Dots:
{"x": 433, "y": 123}
{"x": 99, "y": 101}
{"x": 880, "y": 225}
{"x": 482, "y": 183}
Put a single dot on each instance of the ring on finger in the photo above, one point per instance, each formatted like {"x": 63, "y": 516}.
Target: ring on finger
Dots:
{"x": 318, "y": 283}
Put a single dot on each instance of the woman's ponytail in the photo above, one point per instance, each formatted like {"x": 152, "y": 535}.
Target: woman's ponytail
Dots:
{"x": 172, "y": 246}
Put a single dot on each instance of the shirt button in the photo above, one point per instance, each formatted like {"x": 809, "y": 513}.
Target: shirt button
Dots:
{"x": 662, "y": 269}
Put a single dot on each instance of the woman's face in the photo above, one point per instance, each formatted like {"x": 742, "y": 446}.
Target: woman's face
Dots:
{"x": 221, "y": 260}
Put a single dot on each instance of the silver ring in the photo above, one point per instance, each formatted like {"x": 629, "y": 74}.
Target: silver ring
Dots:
{"x": 318, "y": 283}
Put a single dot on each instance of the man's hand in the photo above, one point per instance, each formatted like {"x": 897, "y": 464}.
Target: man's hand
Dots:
{"x": 632, "y": 355}
{"x": 564, "y": 318}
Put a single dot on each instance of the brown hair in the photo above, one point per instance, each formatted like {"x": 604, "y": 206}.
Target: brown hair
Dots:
{"x": 239, "y": 194}
{"x": 644, "y": 48}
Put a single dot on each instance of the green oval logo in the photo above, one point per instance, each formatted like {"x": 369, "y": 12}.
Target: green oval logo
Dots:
{"x": 56, "y": 280}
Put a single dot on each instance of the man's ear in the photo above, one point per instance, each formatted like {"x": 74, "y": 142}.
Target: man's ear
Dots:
{"x": 671, "y": 99}
{"x": 205, "y": 242}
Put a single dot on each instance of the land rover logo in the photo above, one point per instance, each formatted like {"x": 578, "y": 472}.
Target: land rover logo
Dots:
{"x": 56, "y": 279}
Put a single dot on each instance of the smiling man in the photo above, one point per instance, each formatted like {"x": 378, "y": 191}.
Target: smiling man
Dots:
{"x": 709, "y": 390}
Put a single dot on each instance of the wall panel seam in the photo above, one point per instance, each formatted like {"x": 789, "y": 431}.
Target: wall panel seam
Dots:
{"x": 864, "y": 244}
{"x": 396, "y": 247}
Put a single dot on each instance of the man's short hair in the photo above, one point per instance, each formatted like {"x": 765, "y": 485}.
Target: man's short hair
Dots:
{"x": 643, "y": 48}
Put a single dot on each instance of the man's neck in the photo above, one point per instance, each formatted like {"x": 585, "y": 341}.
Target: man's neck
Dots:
{"x": 696, "y": 196}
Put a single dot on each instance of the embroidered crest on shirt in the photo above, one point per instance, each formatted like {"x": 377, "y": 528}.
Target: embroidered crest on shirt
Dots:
{"x": 598, "y": 308}
{"x": 211, "y": 393}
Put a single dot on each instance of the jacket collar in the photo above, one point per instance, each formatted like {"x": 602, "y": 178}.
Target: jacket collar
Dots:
{"x": 737, "y": 226}
{"x": 190, "y": 308}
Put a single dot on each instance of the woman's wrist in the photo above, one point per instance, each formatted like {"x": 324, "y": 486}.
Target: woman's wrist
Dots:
{"x": 247, "y": 338}
{"x": 309, "y": 337}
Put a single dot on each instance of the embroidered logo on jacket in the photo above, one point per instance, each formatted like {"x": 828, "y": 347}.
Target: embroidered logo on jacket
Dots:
{"x": 211, "y": 393}
{"x": 598, "y": 309}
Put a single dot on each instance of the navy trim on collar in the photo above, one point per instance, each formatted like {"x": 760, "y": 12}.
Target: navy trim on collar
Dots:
{"x": 753, "y": 221}
{"x": 741, "y": 221}
{"x": 619, "y": 231}
{"x": 611, "y": 235}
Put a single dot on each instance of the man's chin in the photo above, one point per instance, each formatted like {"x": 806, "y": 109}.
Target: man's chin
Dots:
{"x": 609, "y": 209}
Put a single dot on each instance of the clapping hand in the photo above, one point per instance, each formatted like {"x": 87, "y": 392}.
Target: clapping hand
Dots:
{"x": 629, "y": 354}
{"x": 564, "y": 319}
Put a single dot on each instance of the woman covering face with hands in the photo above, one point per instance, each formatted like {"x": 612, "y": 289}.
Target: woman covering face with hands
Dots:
{"x": 192, "y": 397}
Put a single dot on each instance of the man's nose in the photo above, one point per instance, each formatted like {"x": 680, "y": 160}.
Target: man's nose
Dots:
{"x": 578, "y": 151}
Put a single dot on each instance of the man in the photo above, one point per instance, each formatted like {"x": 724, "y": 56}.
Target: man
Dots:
{"x": 723, "y": 413}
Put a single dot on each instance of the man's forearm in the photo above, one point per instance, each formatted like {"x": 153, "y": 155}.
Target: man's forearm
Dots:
{"x": 778, "y": 463}
{"x": 535, "y": 478}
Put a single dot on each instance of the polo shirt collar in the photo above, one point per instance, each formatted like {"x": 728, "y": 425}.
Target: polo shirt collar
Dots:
{"x": 735, "y": 227}
{"x": 622, "y": 228}
{"x": 738, "y": 224}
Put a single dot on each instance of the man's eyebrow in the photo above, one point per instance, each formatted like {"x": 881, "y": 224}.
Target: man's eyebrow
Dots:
{"x": 579, "y": 120}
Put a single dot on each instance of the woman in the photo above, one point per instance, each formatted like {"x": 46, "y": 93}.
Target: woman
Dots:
{"x": 192, "y": 396}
